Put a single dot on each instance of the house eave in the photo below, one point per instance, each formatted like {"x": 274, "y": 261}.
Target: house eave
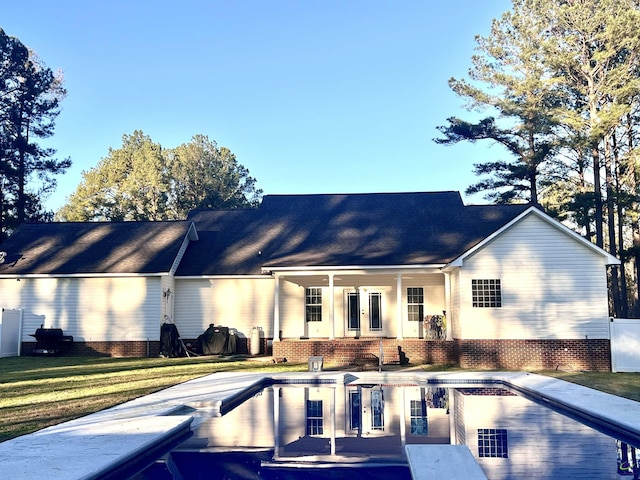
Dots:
{"x": 352, "y": 269}
{"x": 220, "y": 277}
{"x": 81, "y": 275}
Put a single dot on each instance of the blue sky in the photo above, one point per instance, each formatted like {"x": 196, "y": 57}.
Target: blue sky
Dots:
{"x": 331, "y": 96}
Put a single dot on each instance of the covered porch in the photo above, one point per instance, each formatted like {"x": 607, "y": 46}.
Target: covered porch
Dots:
{"x": 344, "y": 313}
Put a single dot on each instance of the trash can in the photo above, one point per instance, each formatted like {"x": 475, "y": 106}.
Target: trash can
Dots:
{"x": 315, "y": 364}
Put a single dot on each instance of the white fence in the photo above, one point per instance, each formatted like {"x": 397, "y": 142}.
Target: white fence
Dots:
{"x": 625, "y": 345}
{"x": 10, "y": 333}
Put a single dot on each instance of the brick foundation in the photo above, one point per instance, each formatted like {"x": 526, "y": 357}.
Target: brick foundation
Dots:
{"x": 342, "y": 352}
{"x": 591, "y": 355}
{"x": 123, "y": 349}
{"x": 104, "y": 349}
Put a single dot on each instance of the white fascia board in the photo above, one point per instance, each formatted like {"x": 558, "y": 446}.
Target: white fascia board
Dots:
{"x": 219, "y": 277}
{"x": 85, "y": 275}
{"x": 609, "y": 259}
{"x": 192, "y": 232}
{"x": 349, "y": 269}
{"x": 190, "y": 236}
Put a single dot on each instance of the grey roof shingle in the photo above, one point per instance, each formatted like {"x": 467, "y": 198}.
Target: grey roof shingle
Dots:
{"x": 378, "y": 229}
{"x": 93, "y": 248}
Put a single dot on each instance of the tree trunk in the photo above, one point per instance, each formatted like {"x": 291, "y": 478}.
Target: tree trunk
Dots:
{"x": 611, "y": 230}
{"x": 597, "y": 196}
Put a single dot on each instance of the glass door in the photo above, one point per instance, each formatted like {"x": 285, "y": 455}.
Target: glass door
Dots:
{"x": 364, "y": 312}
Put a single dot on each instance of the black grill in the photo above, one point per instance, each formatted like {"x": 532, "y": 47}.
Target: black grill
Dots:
{"x": 51, "y": 341}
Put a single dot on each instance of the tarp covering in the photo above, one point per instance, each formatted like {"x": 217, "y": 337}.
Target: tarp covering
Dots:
{"x": 170, "y": 344}
{"x": 216, "y": 341}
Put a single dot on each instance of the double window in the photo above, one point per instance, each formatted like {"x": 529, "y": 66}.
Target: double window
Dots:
{"x": 486, "y": 293}
{"x": 415, "y": 304}
{"x": 313, "y": 304}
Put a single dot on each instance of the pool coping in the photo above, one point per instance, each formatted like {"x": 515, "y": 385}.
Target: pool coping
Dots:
{"x": 91, "y": 446}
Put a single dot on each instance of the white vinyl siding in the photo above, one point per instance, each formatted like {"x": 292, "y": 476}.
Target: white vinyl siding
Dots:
{"x": 552, "y": 286}
{"x": 238, "y": 303}
{"x": 90, "y": 309}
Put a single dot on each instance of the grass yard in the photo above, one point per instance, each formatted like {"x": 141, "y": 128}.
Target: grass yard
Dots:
{"x": 36, "y": 392}
{"x": 621, "y": 384}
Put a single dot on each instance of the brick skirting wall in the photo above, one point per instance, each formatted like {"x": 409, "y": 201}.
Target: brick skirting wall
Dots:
{"x": 591, "y": 355}
{"x": 103, "y": 349}
{"x": 123, "y": 349}
{"x": 342, "y": 352}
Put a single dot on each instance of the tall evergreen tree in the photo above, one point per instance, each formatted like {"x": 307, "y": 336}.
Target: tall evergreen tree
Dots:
{"x": 204, "y": 175}
{"x": 509, "y": 78}
{"x": 143, "y": 181}
{"x": 30, "y": 96}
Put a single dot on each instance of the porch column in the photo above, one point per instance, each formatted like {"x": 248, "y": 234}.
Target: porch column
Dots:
{"x": 276, "y": 422}
{"x": 447, "y": 303}
{"x": 399, "y": 305}
{"x": 332, "y": 332}
{"x": 276, "y": 309}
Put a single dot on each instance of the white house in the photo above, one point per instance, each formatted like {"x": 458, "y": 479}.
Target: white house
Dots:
{"x": 342, "y": 276}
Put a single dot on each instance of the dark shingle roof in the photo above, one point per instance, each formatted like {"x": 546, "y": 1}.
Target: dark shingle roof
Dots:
{"x": 84, "y": 248}
{"x": 341, "y": 230}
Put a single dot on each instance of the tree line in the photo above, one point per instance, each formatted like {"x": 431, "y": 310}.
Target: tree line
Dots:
{"x": 141, "y": 180}
{"x": 557, "y": 84}
{"x": 144, "y": 181}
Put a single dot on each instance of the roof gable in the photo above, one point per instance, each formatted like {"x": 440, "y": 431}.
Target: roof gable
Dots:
{"x": 69, "y": 248}
{"x": 609, "y": 259}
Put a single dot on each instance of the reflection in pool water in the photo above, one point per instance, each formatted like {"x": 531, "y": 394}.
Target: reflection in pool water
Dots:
{"x": 360, "y": 430}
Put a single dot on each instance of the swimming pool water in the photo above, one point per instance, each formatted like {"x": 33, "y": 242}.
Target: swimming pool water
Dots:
{"x": 358, "y": 431}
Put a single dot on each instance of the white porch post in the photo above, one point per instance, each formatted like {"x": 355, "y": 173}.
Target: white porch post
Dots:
{"x": 399, "y": 305}
{"x": 276, "y": 422}
{"x": 332, "y": 332}
{"x": 447, "y": 302}
{"x": 276, "y": 309}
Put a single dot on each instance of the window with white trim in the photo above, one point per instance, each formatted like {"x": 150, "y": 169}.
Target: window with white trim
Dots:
{"x": 415, "y": 304}
{"x": 486, "y": 293}
{"x": 419, "y": 424}
{"x": 313, "y": 304}
{"x": 314, "y": 417}
{"x": 492, "y": 442}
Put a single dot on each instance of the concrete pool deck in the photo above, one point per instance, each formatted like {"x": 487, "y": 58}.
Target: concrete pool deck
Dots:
{"x": 91, "y": 446}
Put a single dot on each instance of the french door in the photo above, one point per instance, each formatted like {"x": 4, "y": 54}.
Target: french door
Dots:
{"x": 364, "y": 312}
{"x": 365, "y": 411}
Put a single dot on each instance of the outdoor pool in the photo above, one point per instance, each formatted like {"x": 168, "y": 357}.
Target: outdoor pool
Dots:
{"x": 359, "y": 430}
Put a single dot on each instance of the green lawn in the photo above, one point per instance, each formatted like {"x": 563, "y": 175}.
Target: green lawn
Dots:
{"x": 36, "y": 392}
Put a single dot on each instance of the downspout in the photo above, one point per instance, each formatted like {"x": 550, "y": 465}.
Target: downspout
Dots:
{"x": 399, "y": 305}
{"x": 447, "y": 302}
{"x": 276, "y": 308}
{"x": 332, "y": 334}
